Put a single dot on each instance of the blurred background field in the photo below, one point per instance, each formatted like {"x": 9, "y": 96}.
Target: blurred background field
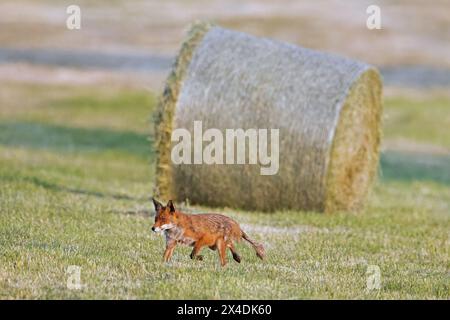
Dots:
{"x": 76, "y": 155}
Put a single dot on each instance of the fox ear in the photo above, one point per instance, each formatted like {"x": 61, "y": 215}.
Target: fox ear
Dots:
{"x": 157, "y": 204}
{"x": 171, "y": 206}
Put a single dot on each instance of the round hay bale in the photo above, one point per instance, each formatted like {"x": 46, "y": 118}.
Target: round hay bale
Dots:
{"x": 327, "y": 109}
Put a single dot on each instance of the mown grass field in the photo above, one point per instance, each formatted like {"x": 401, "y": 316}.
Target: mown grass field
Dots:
{"x": 75, "y": 180}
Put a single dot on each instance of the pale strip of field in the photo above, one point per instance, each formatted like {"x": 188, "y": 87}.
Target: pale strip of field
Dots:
{"x": 413, "y": 32}
{"x": 50, "y": 75}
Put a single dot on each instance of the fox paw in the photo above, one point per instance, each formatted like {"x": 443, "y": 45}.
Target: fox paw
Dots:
{"x": 198, "y": 257}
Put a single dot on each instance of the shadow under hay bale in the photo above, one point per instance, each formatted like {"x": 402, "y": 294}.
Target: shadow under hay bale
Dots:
{"x": 327, "y": 109}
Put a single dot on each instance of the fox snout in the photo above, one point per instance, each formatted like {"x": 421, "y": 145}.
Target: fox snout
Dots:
{"x": 156, "y": 229}
{"x": 163, "y": 227}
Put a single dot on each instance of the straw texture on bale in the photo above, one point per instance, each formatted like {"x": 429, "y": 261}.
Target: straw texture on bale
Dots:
{"x": 327, "y": 109}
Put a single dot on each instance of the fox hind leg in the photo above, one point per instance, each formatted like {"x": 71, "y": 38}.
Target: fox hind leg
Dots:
{"x": 198, "y": 257}
{"x": 235, "y": 254}
{"x": 194, "y": 254}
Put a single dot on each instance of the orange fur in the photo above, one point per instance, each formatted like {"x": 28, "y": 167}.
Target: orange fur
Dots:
{"x": 216, "y": 231}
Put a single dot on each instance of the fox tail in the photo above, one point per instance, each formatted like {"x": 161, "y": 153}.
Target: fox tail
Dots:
{"x": 260, "y": 252}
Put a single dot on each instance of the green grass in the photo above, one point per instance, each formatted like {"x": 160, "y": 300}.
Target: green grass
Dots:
{"x": 75, "y": 180}
{"x": 423, "y": 120}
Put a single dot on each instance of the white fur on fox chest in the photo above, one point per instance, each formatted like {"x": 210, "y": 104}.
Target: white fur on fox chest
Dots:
{"x": 177, "y": 234}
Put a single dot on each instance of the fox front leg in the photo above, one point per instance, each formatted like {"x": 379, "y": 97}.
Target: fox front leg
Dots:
{"x": 170, "y": 246}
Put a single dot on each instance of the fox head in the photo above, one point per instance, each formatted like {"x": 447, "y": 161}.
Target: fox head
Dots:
{"x": 164, "y": 218}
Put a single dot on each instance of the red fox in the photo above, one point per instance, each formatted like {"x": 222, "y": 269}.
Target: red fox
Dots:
{"x": 215, "y": 231}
